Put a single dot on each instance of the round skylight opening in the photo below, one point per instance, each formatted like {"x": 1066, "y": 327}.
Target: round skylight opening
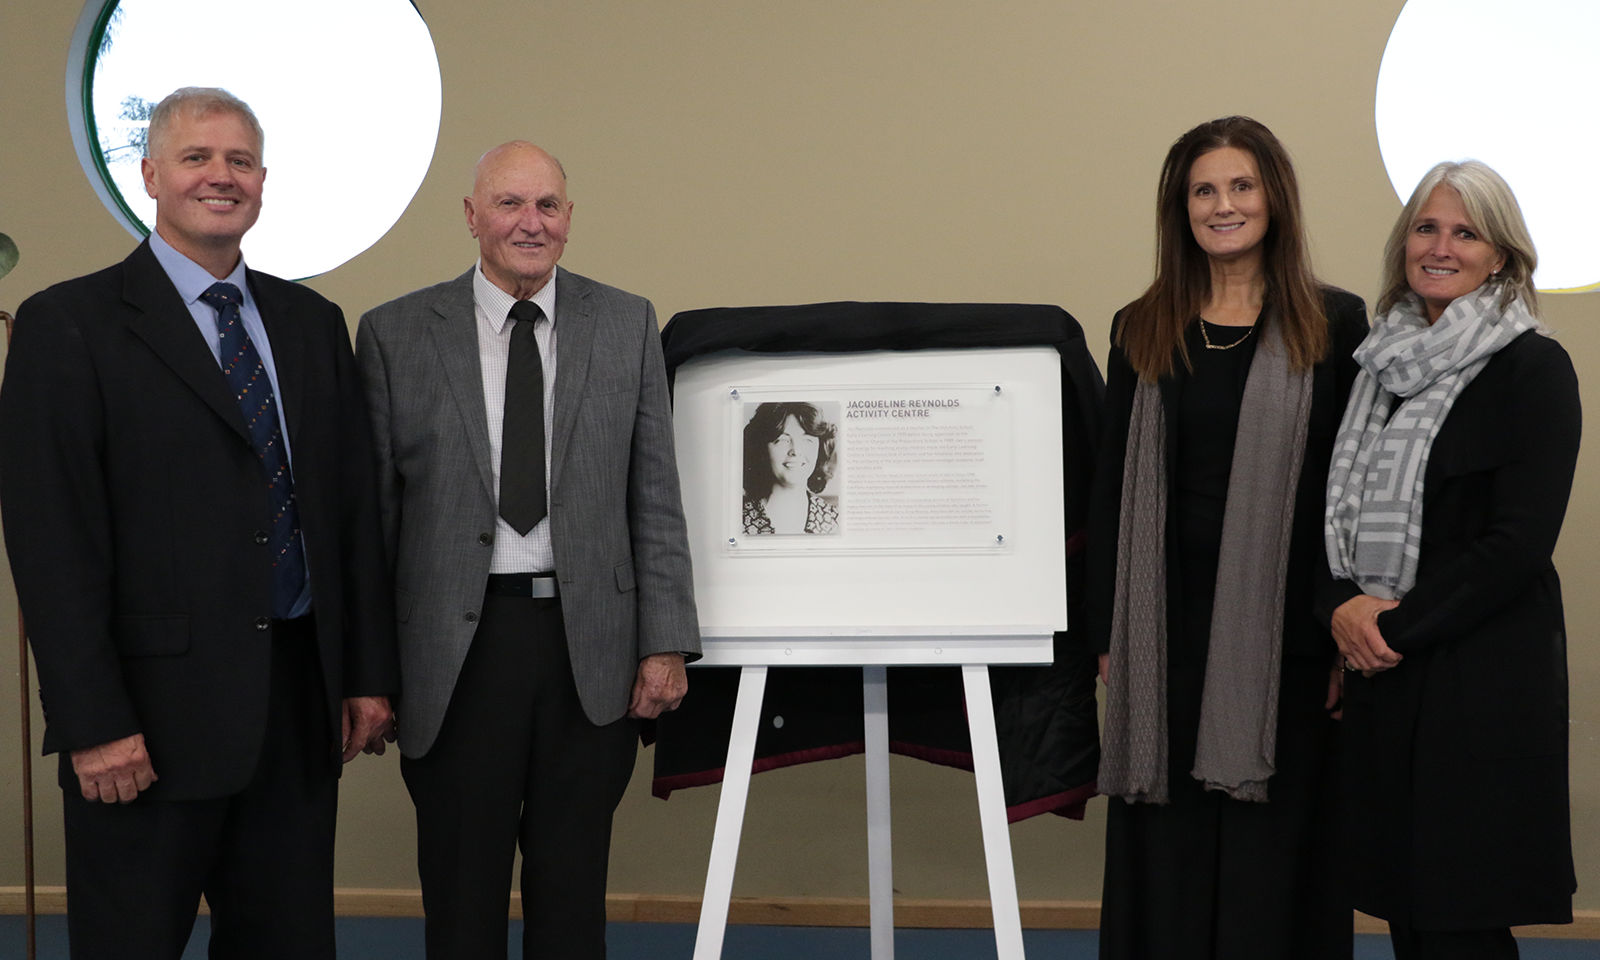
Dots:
{"x": 348, "y": 94}
{"x": 1511, "y": 85}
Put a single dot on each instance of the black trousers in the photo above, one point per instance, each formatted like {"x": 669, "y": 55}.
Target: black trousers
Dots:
{"x": 1412, "y": 944}
{"x": 263, "y": 857}
{"x": 517, "y": 762}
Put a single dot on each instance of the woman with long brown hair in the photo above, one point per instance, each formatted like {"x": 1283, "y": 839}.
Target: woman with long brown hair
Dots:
{"x": 1225, "y": 384}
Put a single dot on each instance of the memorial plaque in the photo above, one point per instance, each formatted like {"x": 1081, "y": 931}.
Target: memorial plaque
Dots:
{"x": 882, "y": 494}
{"x": 887, "y": 467}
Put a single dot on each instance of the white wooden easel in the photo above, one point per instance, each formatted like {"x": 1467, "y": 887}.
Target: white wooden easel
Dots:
{"x": 873, "y": 657}
{"x": 968, "y": 598}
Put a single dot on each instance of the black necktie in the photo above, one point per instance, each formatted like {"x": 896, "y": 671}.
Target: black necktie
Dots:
{"x": 246, "y": 376}
{"x": 522, "y": 494}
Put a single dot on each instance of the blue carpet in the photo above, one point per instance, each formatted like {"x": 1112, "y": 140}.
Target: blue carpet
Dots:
{"x": 365, "y": 938}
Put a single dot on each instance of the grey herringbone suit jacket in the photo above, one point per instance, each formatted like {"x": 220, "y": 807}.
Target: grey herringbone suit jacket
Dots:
{"x": 616, "y": 517}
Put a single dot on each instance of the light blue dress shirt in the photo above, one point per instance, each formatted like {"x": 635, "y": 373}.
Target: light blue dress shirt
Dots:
{"x": 192, "y": 280}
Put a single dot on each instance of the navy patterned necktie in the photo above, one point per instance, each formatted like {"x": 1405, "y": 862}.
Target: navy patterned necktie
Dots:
{"x": 522, "y": 493}
{"x": 247, "y": 378}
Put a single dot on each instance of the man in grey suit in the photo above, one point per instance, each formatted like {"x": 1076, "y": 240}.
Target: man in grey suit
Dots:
{"x": 542, "y": 588}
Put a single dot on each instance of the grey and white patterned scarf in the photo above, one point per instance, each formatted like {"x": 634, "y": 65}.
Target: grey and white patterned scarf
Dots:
{"x": 1374, "y": 507}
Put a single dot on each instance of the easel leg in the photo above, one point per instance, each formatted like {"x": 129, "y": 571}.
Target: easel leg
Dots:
{"x": 880, "y": 862}
{"x": 730, "y": 814}
{"x": 992, "y": 813}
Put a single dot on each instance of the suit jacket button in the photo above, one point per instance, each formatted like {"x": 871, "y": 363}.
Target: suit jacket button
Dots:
{"x": 261, "y": 538}
{"x": 472, "y": 616}
{"x": 486, "y": 538}
{"x": 262, "y": 623}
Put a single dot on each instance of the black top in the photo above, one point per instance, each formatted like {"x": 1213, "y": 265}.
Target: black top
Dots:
{"x": 1207, "y": 422}
{"x": 1201, "y": 408}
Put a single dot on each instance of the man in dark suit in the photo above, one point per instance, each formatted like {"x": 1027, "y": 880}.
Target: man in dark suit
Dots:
{"x": 186, "y": 473}
{"x": 542, "y": 588}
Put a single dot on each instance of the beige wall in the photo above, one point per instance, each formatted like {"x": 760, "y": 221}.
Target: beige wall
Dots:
{"x": 750, "y": 153}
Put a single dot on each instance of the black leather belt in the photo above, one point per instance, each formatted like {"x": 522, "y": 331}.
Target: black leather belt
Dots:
{"x": 540, "y": 586}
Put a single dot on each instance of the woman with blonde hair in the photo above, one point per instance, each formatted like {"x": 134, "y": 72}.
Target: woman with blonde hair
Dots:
{"x": 1224, "y": 385}
{"x": 1449, "y": 484}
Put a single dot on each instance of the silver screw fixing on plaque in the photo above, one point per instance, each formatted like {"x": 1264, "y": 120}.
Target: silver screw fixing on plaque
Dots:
{"x": 733, "y": 394}
{"x": 999, "y": 539}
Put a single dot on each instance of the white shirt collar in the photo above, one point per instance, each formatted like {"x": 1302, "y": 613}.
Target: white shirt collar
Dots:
{"x": 496, "y": 303}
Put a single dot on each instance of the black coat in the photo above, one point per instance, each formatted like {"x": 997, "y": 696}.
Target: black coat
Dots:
{"x": 1308, "y": 568}
{"x": 1456, "y": 779}
{"x": 133, "y": 506}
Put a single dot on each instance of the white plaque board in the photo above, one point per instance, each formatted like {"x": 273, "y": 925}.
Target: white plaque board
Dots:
{"x": 937, "y": 536}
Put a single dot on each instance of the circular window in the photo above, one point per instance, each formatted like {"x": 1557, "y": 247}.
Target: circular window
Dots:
{"x": 1511, "y": 86}
{"x": 348, "y": 94}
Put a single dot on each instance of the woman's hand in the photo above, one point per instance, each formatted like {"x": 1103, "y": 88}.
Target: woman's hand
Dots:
{"x": 1355, "y": 630}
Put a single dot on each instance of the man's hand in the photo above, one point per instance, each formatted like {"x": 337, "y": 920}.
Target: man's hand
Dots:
{"x": 1355, "y": 630}
{"x": 659, "y": 687}
{"x": 114, "y": 772}
{"x": 368, "y": 723}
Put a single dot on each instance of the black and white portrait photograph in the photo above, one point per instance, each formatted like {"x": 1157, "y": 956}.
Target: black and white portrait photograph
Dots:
{"x": 790, "y": 459}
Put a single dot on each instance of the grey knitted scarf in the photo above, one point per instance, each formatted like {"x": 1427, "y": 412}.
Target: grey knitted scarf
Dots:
{"x": 1239, "y": 706}
{"x": 1374, "y": 507}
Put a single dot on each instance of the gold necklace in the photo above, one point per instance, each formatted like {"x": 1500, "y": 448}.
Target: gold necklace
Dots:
{"x": 1226, "y": 346}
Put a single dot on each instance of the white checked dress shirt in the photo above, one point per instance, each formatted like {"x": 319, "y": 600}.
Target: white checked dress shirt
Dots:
{"x": 514, "y": 553}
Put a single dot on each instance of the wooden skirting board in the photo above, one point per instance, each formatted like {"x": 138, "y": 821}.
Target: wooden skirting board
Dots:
{"x": 791, "y": 911}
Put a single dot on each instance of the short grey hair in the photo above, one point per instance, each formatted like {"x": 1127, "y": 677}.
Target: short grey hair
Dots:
{"x": 1493, "y": 210}
{"x": 200, "y": 102}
